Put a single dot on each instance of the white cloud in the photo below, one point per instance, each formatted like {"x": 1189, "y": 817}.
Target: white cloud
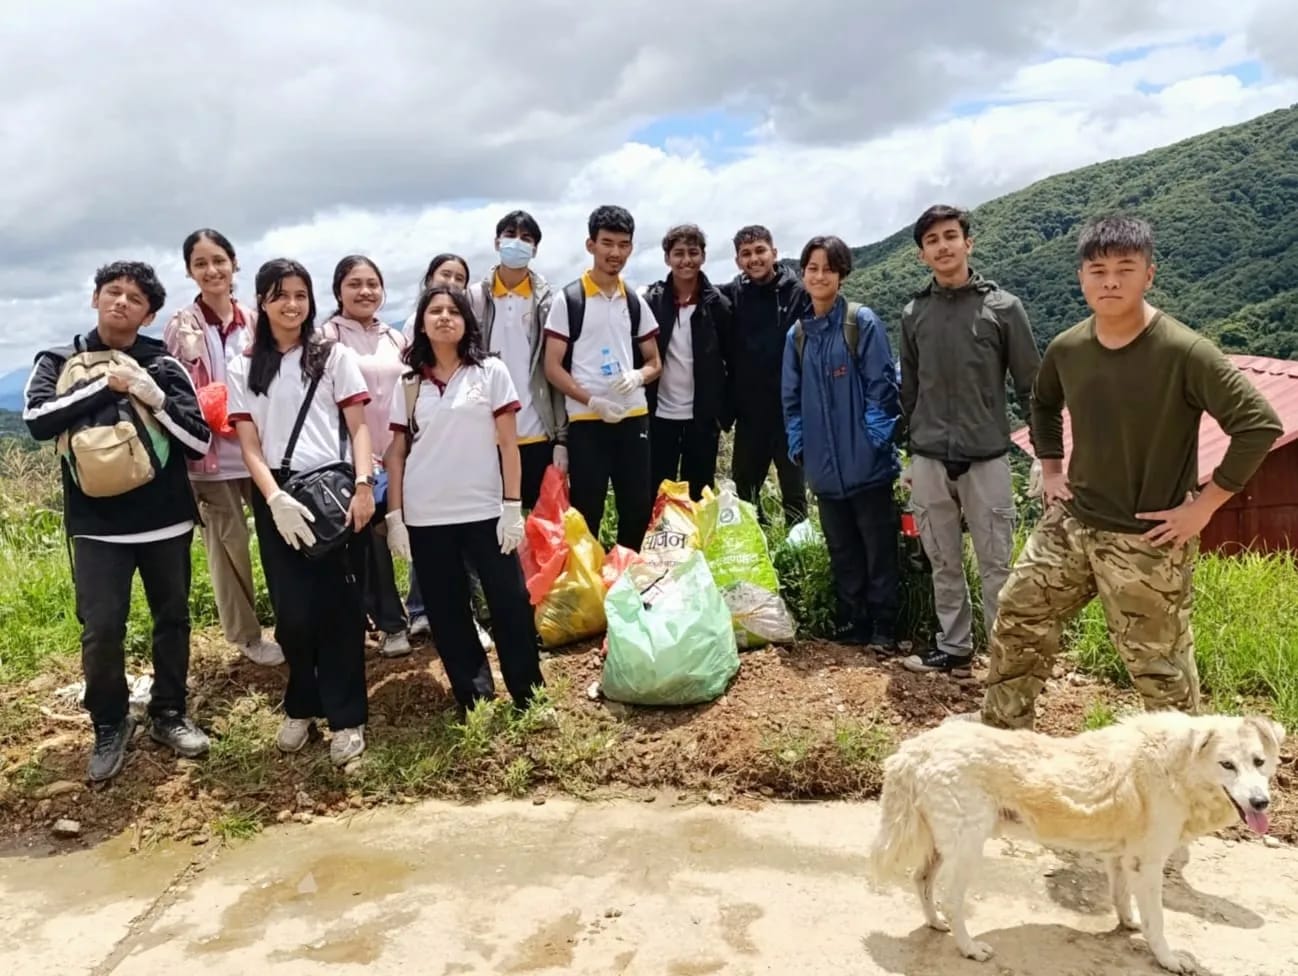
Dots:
{"x": 360, "y": 128}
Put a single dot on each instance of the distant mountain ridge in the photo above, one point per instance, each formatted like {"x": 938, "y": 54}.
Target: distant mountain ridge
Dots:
{"x": 1224, "y": 206}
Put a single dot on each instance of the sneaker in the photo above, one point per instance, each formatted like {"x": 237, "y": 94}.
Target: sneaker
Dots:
{"x": 347, "y": 745}
{"x": 262, "y": 651}
{"x": 935, "y": 659}
{"x": 395, "y": 645}
{"x": 293, "y": 734}
{"x": 484, "y": 638}
{"x": 109, "y": 754}
{"x": 419, "y": 626}
{"x": 175, "y": 731}
{"x": 885, "y": 645}
{"x": 853, "y": 634}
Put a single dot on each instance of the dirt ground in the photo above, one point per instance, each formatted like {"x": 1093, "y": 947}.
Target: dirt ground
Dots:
{"x": 810, "y": 721}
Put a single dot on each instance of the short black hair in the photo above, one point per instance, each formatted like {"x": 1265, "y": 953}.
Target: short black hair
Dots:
{"x": 836, "y": 251}
{"x": 685, "y": 234}
{"x": 751, "y": 234}
{"x": 520, "y": 222}
{"x": 1115, "y": 234}
{"x": 615, "y": 219}
{"x": 137, "y": 271}
{"x": 935, "y": 215}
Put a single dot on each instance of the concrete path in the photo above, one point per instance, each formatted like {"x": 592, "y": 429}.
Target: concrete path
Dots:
{"x": 622, "y": 888}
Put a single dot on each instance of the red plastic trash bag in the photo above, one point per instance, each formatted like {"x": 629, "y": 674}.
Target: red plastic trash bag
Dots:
{"x": 616, "y": 563}
{"x": 213, "y": 401}
{"x": 544, "y": 548}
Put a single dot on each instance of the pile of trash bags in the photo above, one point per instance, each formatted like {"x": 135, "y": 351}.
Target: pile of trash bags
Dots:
{"x": 677, "y": 613}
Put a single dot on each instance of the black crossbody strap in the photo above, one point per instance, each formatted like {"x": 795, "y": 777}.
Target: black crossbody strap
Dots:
{"x": 297, "y": 427}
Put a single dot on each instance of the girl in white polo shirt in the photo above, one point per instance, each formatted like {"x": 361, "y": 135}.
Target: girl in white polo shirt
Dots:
{"x": 445, "y": 498}
{"x": 319, "y": 605}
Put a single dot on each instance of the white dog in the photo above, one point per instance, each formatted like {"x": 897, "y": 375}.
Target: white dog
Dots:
{"x": 1132, "y": 794}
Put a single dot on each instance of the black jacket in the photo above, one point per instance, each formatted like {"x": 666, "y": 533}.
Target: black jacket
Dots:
{"x": 710, "y": 337}
{"x": 167, "y": 499}
{"x": 763, "y": 313}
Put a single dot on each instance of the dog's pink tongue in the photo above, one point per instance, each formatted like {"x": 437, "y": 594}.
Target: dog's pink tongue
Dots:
{"x": 1257, "y": 821}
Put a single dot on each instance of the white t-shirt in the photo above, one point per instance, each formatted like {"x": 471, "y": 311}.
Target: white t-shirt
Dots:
{"x": 452, "y": 473}
{"x": 511, "y": 339}
{"x": 274, "y": 412}
{"x": 606, "y": 325}
{"x": 676, "y": 385}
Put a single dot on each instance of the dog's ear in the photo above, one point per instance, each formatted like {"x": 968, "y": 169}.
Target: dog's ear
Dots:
{"x": 1202, "y": 741}
{"x": 1271, "y": 732}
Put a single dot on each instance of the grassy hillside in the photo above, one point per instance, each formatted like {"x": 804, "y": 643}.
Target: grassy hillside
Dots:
{"x": 12, "y": 426}
{"x": 1225, "y": 212}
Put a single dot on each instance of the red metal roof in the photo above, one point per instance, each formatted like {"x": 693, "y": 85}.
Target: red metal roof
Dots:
{"x": 1275, "y": 379}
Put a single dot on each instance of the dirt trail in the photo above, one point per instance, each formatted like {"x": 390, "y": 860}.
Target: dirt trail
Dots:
{"x": 606, "y": 888}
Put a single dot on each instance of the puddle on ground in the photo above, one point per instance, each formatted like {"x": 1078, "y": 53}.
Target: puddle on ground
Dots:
{"x": 549, "y": 947}
{"x": 735, "y": 920}
{"x": 330, "y": 884}
{"x": 362, "y": 944}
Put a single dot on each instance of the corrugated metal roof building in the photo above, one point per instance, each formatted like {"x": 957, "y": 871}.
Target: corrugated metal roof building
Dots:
{"x": 1265, "y": 514}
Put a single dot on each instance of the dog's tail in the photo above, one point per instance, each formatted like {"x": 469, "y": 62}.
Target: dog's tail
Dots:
{"x": 904, "y": 842}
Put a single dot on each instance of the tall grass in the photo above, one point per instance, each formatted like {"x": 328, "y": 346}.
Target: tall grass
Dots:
{"x": 1245, "y": 621}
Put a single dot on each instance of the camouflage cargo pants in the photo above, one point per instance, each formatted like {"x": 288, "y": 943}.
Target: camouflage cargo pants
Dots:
{"x": 1146, "y": 592}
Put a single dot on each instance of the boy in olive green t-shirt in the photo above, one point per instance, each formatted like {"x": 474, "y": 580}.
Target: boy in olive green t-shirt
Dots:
{"x": 1123, "y": 522}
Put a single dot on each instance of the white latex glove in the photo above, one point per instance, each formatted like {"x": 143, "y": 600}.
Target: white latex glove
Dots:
{"x": 627, "y": 382}
{"x": 139, "y": 384}
{"x": 398, "y": 536}
{"x": 561, "y": 457}
{"x": 191, "y": 343}
{"x": 1036, "y": 481}
{"x": 609, "y": 411}
{"x": 509, "y": 527}
{"x": 291, "y": 518}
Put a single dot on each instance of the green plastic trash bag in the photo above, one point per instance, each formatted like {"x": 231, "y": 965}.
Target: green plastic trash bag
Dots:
{"x": 735, "y": 548}
{"x": 670, "y": 641}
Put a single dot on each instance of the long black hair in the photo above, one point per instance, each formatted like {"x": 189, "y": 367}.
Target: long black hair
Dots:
{"x": 215, "y": 236}
{"x": 265, "y": 354}
{"x": 344, "y": 268}
{"x": 471, "y": 349}
{"x": 442, "y": 259}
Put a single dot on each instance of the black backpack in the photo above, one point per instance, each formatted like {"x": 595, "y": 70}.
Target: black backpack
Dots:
{"x": 574, "y": 296}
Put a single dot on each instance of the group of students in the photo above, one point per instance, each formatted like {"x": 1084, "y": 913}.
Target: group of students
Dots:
{"x": 451, "y": 421}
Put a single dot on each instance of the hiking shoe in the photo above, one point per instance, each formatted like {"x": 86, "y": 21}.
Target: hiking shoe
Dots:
{"x": 109, "y": 753}
{"x": 419, "y": 626}
{"x": 347, "y": 745}
{"x": 293, "y": 734}
{"x": 262, "y": 651}
{"x": 935, "y": 659}
{"x": 853, "y": 634}
{"x": 395, "y": 645}
{"x": 175, "y": 731}
{"x": 885, "y": 645}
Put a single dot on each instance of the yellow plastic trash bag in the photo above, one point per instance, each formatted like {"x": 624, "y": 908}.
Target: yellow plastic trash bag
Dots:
{"x": 573, "y": 609}
{"x": 673, "y": 528}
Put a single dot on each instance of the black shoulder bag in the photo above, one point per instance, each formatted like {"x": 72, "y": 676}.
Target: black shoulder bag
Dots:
{"x": 325, "y": 490}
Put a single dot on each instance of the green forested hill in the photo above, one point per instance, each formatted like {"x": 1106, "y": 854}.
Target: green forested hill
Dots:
{"x": 1225, "y": 212}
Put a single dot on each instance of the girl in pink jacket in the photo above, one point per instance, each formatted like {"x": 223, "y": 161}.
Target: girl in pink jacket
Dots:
{"x": 206, "y": 336}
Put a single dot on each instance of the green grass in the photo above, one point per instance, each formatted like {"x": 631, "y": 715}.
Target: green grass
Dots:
{"x": 236, "y": 825}
{"x": 1099, "y": 715}
{"x": 1245, "y": 621}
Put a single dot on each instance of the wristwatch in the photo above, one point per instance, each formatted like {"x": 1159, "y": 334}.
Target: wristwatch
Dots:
{"x": 368, "y": 479}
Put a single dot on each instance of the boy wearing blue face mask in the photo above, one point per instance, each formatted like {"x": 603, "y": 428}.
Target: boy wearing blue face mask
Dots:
{"x": 512, "y": 303}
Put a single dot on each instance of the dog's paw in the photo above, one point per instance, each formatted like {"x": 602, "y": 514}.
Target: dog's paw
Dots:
{"x": 1177, "y": 962}
{"x": 938, "y": 924}
{"x": 977, "y": 951}
{"x": 1129, "y": 922}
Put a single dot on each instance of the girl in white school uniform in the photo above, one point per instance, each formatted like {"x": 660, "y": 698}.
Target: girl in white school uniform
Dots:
{"x": 319, "y": 604}
{"x": 449, "y": 504}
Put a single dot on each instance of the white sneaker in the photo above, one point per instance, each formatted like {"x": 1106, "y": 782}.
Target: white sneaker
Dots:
{"x": 262, "y": 651}
{"x": 347, "y": 745}
{"x": 419, "y": 626}
{"x": 394, "y": 645}
{"x": 484, "y": 637}
{"x": 293, "y": 734}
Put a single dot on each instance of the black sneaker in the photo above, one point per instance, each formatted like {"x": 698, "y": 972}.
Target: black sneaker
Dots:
{"x": 179, "y": 734}
{"x": 853, "y": 634}
{"x": 935, "y": 659}
{"x": 110, "y": 749}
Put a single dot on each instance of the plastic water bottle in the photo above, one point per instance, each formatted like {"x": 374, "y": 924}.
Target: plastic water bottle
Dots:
{"x": 609, "y": 366}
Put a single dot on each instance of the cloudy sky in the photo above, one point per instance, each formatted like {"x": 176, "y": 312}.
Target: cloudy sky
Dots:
{"x": 401, "y": 128}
